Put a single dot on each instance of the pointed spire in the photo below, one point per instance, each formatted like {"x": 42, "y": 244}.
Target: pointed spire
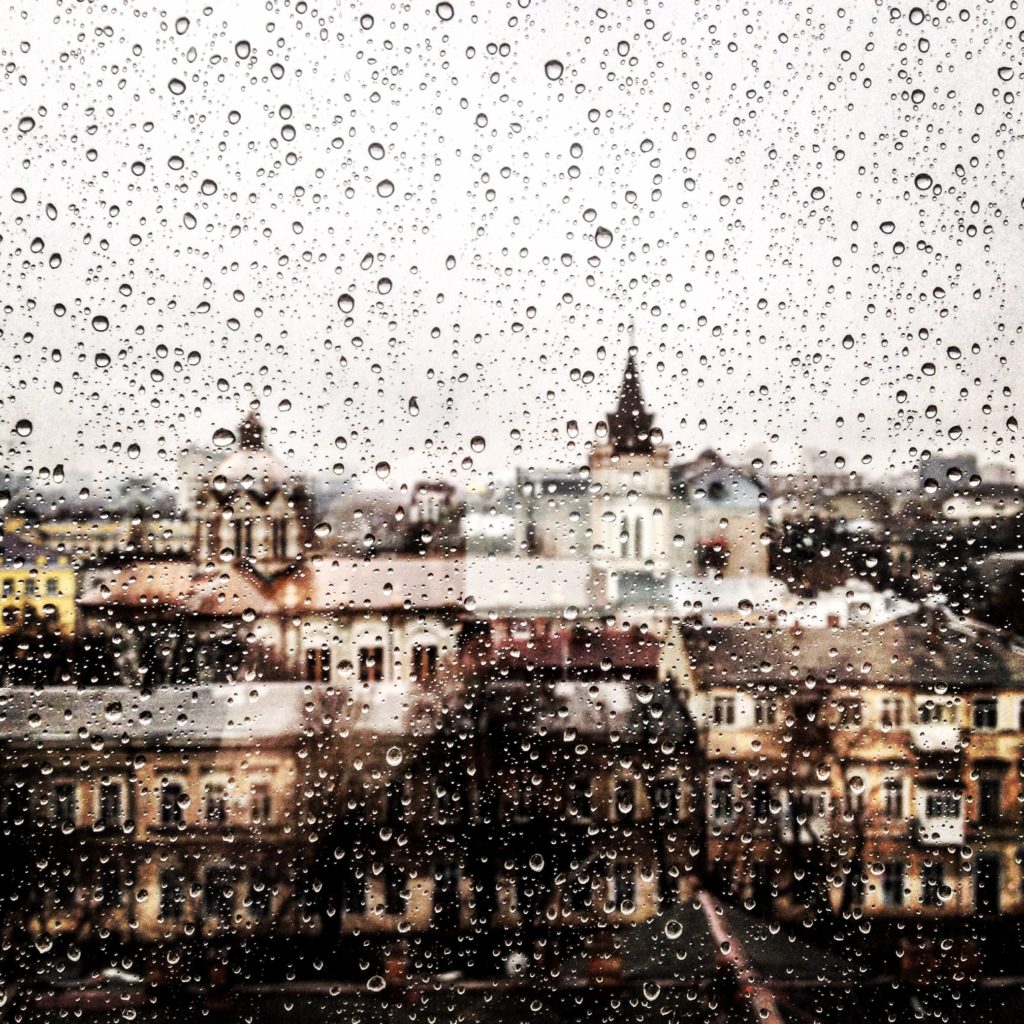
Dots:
{"x": 629, "y": 427}
{"x": 250, "y": 433}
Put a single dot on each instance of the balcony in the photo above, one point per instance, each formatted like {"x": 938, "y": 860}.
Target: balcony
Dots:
{"x": 936, "y": 738}
{"x": 943, "y": 831}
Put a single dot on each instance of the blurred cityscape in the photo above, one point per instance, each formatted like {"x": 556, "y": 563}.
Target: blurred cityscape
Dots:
{"x": 642, "y": 739}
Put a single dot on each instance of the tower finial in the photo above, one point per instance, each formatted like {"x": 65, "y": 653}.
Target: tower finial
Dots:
{"x": 629, "y": 427}
{"x": 250, "y": 433}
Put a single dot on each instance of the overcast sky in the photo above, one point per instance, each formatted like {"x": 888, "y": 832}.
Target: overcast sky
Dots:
{"x": 405, "y": 232}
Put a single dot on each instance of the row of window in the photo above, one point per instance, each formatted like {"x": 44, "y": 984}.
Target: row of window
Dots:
{"x": 850, "y": 712}
{"x": 111, "y": 811}
{"x": 938, "y": 803}
{"x": 31, "y": 586}
{"x": 370, "y": 663}
{"x": 613, "y": 886}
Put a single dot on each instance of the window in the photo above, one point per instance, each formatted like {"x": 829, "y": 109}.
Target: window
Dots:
{"x": 931, "y": 712}
{"x": 259, "y": 899}
{"x": 397, "y": 801}
{"x": 8, "y": 587}
{"x": 723, "y": 710}
{"x": 990, "y": 791}
{"x": 580, "y": 896}
{"x": 30, "y": 587}
{"x": 722, "y": 800}
{"x": 932, "y": 884}
{"x": 850, "y": 713}
{"x": 941, "y": 803}
{"x": 260, "y": 803}
{"x": 318, "y": 664}
{"x": 172, "y": 803}
{"x": 894, "y": 883}
{"x": 761, "y": 801}
{"x": 111, "y": 813}
{"x": 219, "y": 894}
{"x": 65, "y": 804}
{"x": 638, "y": 538}
{"x": 172, "y": 894}
{"x": 396, "y": 889}
{"x": 764, "y": 711}
{"x": 424, "y": 662}
{"x": 578, "y": 801}
{"x": 666, "y": 799}
{"x": 215, "y": 803}
{"x": 986, "y": 713}
{"x": 111, "y": 882}
{"x": 623, "y": 886}
{"x": 353, "y": 896}
{"x": 624, "y": 799}
{"x": 371, "y": 664}
{"x": 892, "y": 712}
{"x": 892, "y": 798}
{"x": 52, "y": 586}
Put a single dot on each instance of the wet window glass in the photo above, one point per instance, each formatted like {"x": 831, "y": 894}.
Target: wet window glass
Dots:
{"x": 510, "y": 512}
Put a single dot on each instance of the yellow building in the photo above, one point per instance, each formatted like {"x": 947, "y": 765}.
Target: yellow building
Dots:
{"x": 36, "y": 585}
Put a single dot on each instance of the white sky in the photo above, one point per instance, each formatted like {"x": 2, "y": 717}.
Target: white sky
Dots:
{"x": 705, "y": 130}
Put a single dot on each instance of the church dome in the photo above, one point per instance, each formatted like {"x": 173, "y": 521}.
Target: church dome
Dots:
{"x": 252, "y": 467}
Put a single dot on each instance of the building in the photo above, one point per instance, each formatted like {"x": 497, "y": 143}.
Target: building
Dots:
{"x": 38, "y": 586}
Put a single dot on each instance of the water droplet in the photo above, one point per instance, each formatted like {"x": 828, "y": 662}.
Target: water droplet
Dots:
{"x": 223, "y": 438}
{"x": 376, "y": 983}
{"x": 554, "y": 69}
{"x": 23, "y": 428}
{"x": 138, "y": 168}
{"x": 322, "y": 530}
{"x": 928, "y": 369}
{"x": 450, "y": 263}
{"x": 100, "y": 323}
{"x": 26, "y": 124}
{"x": 346, "y": 303}
{"x": 603, "y": 238}
{"x": 376, "y": 151}
{"x": 208, "y": 187}
{"x": 102, "y": 360}
{"x": 673, "y": 930}
{"x": 383, "y": 469}
{"x": 817, "y": 193}
{"x": 1005, "y": 74}
{"x": 445, "y": 11}
{"x": 181, "y": 26}
{"x": 18, "y": 195}
{"x": 134, "y": 451}
{"x": 385, "y": 188}
{"x": 923, "y": 181}
{"x": 177, "y": 86}
{"x": 414, "y": 407}
{"x": 393, "y": 756}
{"x": 1011, "y": 424}
{"x": 887, "y": 227}
{"x": 366, "y": 22}
{"x": 384, "y": 285}
{"x": 478, "y": 444}
{"x": 242, "y": 49}
{"x": 537, "y": 862}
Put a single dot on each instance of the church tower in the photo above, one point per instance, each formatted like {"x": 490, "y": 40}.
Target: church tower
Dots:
{"x": 630, "y": 521}
{"x": 251, "y": 508}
